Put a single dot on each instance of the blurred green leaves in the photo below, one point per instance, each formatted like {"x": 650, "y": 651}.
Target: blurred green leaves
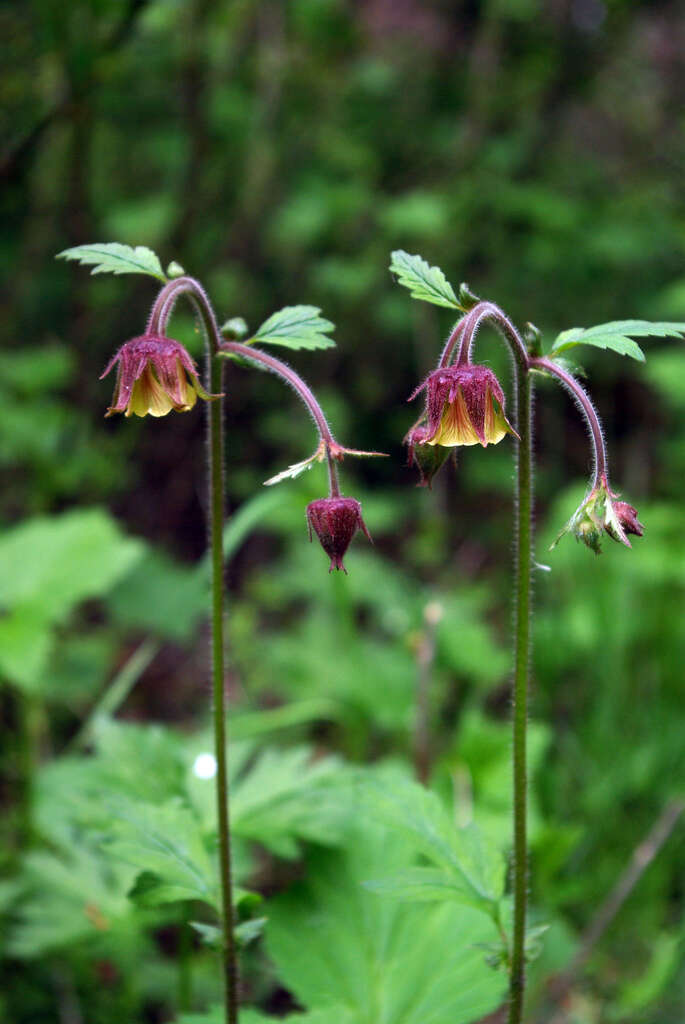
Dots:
{"x": 360, "y": 958}
{"x": 469, "y": 869}
{"x": 48, "y": 566}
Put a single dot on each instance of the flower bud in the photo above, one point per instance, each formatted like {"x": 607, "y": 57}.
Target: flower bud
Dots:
{"x": 599, "y": 513}
{"x": 428, "y": 459}
{"x": 627, "y": 517}
{"x": 154, "y": 375}
{"x": 464, "y": 406}
{"x": 335, "y": 522}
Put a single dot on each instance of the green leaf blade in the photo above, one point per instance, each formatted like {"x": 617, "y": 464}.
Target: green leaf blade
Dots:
{"x": 423, "y": 281}
{"x": 115, "y": 258}
{"x": 618, "y": 336}
{"x": 296, "y": 327}
{"x": 356, "y": 958}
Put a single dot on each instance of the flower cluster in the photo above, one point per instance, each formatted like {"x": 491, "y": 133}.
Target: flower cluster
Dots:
{"x": 155, "y": 374}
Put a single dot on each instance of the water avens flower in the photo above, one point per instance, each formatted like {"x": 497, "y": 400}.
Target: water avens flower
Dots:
{"x": 154, "y": 375}
{"x": 464, "y": 406}
{"x": 335, "y": 522}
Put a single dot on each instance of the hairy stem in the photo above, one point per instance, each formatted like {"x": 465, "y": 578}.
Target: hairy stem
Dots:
{"x": 482, "y": 313}
{"x": 282, "y": 370}
{"x": 216, "y": 505}
{"x": 157, "y": 324}
{"x": 524, "y": 555}
{"x": 465, "y": 334}
{"x": 582, "y": 399}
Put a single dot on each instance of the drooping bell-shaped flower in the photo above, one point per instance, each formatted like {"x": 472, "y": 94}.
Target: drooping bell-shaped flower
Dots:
{"x": 335, "y": 522}
{"x": 464, "y": 406}
{"x": 154, "y": 375}
{"x": 600, "y": 513}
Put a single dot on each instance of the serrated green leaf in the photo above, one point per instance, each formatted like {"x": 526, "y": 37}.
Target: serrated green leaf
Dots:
{"x": 296, "y": 327}
{"x": 617, "y": 336}
{"x": 341, "y": 949}
{"x": 466, "y": 860}
{"x": 287, "y": 797}
{"x": 423, "y": 281}
{"x": 420, "y": 885}
{"x": 115, "y": 258}
{"x": 165, "y": 841}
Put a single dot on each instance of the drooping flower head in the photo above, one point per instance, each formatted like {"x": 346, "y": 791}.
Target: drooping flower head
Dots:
{"x": 335, "y": 522}
{"x": 428, "y": 459}
{"x": 600, "y": 513}
{"x": 464, "y": 406}
{"x": 154, "y": 375}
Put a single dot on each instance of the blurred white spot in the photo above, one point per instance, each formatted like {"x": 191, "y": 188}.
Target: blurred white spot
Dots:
{"x": 205, "y": 766}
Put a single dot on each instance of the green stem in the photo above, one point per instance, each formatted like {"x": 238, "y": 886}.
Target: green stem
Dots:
{"x": 157, "y": 323}
{"x": 524, "y": 551}
{"x": 465, "y": 334}
{"x": 216, "y": 505}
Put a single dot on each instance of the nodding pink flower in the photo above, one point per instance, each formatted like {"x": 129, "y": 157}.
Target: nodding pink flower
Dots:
{"x": 428, "y": 459}
{"x": 464, "y": 406}
{"x": 335, "y": 522}
{"x": 154, "y": 375}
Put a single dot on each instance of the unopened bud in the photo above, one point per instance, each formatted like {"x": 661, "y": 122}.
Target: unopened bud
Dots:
{"x": 335, "y": 522}
{"x": 467, "y": 298}
{"x": 234, "y": 329}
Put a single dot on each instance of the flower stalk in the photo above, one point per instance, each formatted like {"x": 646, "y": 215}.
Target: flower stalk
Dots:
{"x": 464, "y": 406}
{"x": 522, "y": 620}
{"x": 157, "y": 324}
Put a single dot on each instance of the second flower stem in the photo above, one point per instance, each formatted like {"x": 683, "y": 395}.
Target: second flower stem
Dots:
{"x": 524, "y": 550}
{"x": 216, "y": 503}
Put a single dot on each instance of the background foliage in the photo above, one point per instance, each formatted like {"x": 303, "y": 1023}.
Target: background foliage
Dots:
{"x": 279, "y": 152}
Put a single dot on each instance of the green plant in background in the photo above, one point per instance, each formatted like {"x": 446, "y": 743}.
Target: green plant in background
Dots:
{"x": 155, "y": 374}
{"x": 465, "y": 406}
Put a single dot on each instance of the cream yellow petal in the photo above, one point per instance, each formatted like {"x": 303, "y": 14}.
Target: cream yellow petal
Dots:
{"x": 148, "y": 396}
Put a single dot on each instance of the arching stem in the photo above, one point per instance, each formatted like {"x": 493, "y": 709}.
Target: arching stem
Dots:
{"x": 582, "y": 399}
{"x": 282, "y": 370}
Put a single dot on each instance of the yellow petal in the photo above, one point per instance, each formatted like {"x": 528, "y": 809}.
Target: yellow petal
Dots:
{"x": 148, "y": 396}
{"x": 495, "y": 426}
{"x": 455, "y": 426}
